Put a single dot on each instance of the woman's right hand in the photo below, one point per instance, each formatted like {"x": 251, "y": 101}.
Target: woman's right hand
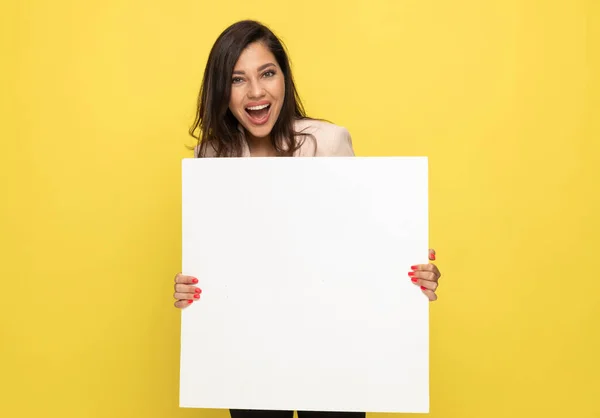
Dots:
{"x": 185, "y": 291}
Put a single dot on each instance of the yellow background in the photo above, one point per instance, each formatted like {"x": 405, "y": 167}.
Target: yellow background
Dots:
{"x": 503, "y": 96}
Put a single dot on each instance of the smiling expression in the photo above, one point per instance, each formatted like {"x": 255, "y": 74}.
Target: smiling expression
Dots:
{"x": 257, "y": 90}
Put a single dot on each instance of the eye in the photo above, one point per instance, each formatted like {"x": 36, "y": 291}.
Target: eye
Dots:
{"x": 236, "y": 80}
{"x": 269, "y": 73}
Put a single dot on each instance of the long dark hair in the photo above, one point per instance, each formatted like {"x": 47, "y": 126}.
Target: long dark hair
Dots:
{"x": 214, "y": 125}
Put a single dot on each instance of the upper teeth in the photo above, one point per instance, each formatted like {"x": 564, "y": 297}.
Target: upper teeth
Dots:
{"x": 258, "y": 107}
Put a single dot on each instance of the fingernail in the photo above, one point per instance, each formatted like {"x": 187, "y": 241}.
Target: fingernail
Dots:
{"x": 423, "y": 288}
{"x": 433, "y": 256}
{"x": 411, "y": 273}
{"x": 190, "y": 301}
{"x": 197, "y": 296}
{"x": 198, "y": 290}
{"x": 414, "y": 267}
{"x": 414, "y": 279}
{"x": 194, "y": 280}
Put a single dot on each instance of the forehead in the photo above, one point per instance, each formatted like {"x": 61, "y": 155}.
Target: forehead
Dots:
{"x": 253, "y": 56}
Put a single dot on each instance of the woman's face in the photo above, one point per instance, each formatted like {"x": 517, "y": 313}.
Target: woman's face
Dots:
{"x": 257, "y": 90}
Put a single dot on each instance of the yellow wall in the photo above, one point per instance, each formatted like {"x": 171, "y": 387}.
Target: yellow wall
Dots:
{"x": 501, "y": 95}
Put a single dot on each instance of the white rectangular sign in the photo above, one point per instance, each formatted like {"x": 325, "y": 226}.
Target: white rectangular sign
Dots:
{"x": 306, "y": 301}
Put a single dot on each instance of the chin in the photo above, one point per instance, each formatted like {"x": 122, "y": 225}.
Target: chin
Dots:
{"x": 259, "y": 132}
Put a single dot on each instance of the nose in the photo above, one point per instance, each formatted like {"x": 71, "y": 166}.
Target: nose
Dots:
{"x": 255, "y": 90}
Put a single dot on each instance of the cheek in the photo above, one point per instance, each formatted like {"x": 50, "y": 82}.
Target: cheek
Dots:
{"x": 235, "y": 101}
{"x": 281, "y": 88}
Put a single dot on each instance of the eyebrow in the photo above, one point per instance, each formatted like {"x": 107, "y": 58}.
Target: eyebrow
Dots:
{"x": 262, "y": 67}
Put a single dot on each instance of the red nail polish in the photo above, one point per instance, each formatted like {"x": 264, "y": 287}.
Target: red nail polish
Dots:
{"x": 194, "y": 281}
{"x": 432, "y": 257}
{"x": 414, "y": 279}
{"x": 190, "y": 301}
{"x": 411, "y": 273}
{"x": 197, "y": 290}
{"x": 423, "y": 288}
{"x": 414, "y": 267}
{"x": 197, "y": 296}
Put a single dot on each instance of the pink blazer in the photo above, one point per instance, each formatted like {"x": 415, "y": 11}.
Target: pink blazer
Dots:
{"x": 330, "y": 140}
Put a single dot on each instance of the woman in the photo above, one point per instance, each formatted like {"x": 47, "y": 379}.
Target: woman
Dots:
{"x": 249, "y": 107}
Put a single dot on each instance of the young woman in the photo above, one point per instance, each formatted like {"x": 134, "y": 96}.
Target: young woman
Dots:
{"x": 249, "y": 107}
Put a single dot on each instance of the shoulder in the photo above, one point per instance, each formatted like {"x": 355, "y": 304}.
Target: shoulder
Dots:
{"x": 330, "y": 140}
{"x": 205, "y": 150}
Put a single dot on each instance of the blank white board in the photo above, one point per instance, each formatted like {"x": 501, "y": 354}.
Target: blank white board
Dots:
{"x": 306, "y": 302}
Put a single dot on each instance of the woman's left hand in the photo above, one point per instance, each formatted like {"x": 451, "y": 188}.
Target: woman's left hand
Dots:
{"x": 426, "y": 276}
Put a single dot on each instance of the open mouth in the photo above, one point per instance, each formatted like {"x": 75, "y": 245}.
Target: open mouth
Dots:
{"x": 259, "y": 114}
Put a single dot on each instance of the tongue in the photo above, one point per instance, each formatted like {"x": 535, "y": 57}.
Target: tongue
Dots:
{"x": 258, "y": 114}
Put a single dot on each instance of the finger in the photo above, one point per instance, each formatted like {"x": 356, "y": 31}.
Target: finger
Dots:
{"x": 185, "y": 288}
{"x": 432, "y": 268}
{"x": 425, "y": 267}
{"x": 427, "y": 284}
{"x": 429, "y": 293}
{"x": 181, "y": 304}
{"x": 424, "y": 275}
{"x": 186, "y": 296}
{"x": 183, "y": 279}
{"x": 431, "y": 254}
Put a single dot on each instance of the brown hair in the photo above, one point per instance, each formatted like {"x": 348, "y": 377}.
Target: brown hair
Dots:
{"x": 214, "y": 124}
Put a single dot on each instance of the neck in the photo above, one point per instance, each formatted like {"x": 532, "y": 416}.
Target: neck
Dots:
{"x": 260, "y": 147}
